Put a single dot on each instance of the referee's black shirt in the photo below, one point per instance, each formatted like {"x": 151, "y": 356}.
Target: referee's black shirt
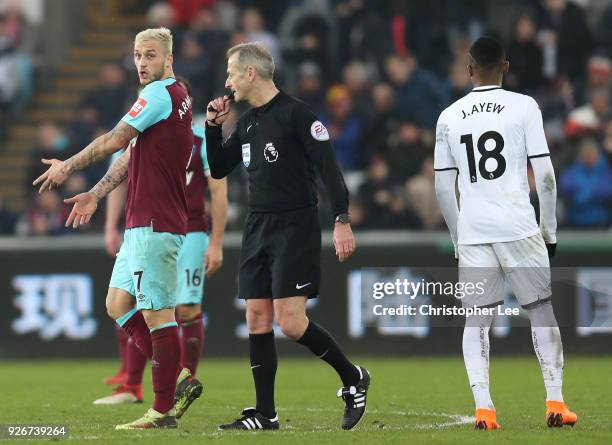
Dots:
{"x": 281, "y": 144}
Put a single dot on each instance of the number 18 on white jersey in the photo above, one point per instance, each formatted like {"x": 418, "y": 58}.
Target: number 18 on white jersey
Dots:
{"x": 487, "y": 136}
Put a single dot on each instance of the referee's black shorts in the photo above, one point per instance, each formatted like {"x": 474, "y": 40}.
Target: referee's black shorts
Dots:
{"x": 281, "y": 254}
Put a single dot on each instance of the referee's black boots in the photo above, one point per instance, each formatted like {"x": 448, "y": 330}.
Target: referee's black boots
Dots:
{"x": 355, "y": 398}
{"x": 251, "y": 420}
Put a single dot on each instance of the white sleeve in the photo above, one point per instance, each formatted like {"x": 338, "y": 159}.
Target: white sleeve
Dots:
{"x": 535, "y": 139}
{"x": 443, "y": 157}
{"x": 445, "y": 192}
{"x": 546, "y": 187}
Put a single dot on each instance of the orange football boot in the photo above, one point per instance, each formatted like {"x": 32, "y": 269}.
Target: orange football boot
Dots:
{"x": 486, "y": 419}
{"x": 559, "y": 414}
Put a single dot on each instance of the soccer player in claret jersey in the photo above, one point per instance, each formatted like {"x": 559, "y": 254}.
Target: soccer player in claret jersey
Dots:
{"x": 197, "y": 258}
{"x": 485, "y": 140}
{"x": 142, "y": 289}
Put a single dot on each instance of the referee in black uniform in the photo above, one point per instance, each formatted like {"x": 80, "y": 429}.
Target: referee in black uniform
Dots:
{"x": 281, "y": 144}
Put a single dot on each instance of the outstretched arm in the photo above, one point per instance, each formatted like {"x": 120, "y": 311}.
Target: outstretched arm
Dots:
{"x": 85, "y": 204}
{"x": 116, "y": 139}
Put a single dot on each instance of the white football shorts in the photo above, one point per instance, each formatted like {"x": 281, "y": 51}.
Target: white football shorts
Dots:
{"x": 523, "y": 262}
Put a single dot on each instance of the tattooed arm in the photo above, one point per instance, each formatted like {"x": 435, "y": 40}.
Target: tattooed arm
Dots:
{"x": 115, "y": 175}
{"x": 85, "y": 204}
{"x": 98, "y": 149}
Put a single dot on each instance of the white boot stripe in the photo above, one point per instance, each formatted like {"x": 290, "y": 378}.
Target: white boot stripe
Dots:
{"x": 359, "y": 405}
{"x": 247, "y": 424}
{"x": 258, "y": 423}
{"x": 250, "y": 420}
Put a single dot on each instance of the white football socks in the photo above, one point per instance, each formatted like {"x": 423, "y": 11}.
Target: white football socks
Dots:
{"x": 548, "y": 348}
{"x": 476, "y": 358}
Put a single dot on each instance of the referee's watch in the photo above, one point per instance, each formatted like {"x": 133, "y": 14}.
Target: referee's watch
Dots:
{"x": 343, "y": 218}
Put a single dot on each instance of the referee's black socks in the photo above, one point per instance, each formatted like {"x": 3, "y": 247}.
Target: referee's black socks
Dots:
{"x": 263, "y": 366}
{"x": 323, "y": 345}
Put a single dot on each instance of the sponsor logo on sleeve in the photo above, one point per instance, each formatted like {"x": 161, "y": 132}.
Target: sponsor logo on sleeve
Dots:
{"x": 137, "y": 107}
{"x": 319, "y": 132}
{"x": 246, "y": 154}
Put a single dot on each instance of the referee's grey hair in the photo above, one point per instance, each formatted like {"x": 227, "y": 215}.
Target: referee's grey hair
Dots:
{"x": 163, "y": 35}
{"x": 254, "y": 54}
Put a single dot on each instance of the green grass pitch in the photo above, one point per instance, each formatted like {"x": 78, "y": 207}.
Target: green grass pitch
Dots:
{"x": 411, "y": 401}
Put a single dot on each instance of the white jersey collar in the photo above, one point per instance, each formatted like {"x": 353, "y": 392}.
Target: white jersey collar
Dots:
{"x": 487, "y": 88}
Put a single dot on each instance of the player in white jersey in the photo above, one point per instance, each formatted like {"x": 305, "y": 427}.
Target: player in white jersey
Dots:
{"x": 484, "y": 141}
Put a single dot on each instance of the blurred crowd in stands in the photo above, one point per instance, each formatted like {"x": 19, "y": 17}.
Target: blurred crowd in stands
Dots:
{"x": 378, "y": 73}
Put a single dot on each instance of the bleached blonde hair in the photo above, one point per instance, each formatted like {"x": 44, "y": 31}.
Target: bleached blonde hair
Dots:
{"x": 162, "y": 35}
{"x": 253, "y": 54}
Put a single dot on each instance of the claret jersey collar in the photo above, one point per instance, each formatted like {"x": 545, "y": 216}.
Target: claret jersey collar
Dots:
{"x": 486, "y": 88}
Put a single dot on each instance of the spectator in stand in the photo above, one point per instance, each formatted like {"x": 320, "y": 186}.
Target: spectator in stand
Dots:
{"x": 307, "y": 38}
{"x": 310, "y": 87}
{"x": 419, "y": 94}
{"x": 163, "y": 14}
{"x": 185, "y": 10}
{"x": 381, "y": 120}
{"x": 83, "y": 127}
{"x": 603, "y": 31}
{"x": 589, "y": 119}
{"x": 356, "y": 77}
{"x": 194, "y": 65}
{"x": 344, "y": 126}
{"x": 110, "y": 98}
{"x": 215, "y": 41}
{"x": 52, "y": 143}
{"x": 459, "y": 81}
{"x": 381, "y": 199}
{"x": 586, "y": 187}
{"x": 15, "y": 63}
{"x": 526, "y": 58}
{"x": 599, "y": 72}
{"x": 406, "y": 151}
{"x": 349, "y": 14}
{"x": 254, "y": 30}
{"x": 371, "y": 22}
{"x": 421, "y": 196}
{"x": 565, "y": 34}
{"x": 46, "y": 215}
{"x": 7, "y": 220}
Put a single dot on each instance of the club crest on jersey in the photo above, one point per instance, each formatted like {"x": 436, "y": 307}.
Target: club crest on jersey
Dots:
{"x": 137, "y": 107}
{"x": 246, "y": 154}
{"x": 270, "y": 153}
{"x": 318, "y": 131}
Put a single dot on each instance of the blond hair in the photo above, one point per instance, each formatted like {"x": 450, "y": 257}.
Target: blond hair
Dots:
{"x": 162, "y": 35}
{"x": 253, "y": 54}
